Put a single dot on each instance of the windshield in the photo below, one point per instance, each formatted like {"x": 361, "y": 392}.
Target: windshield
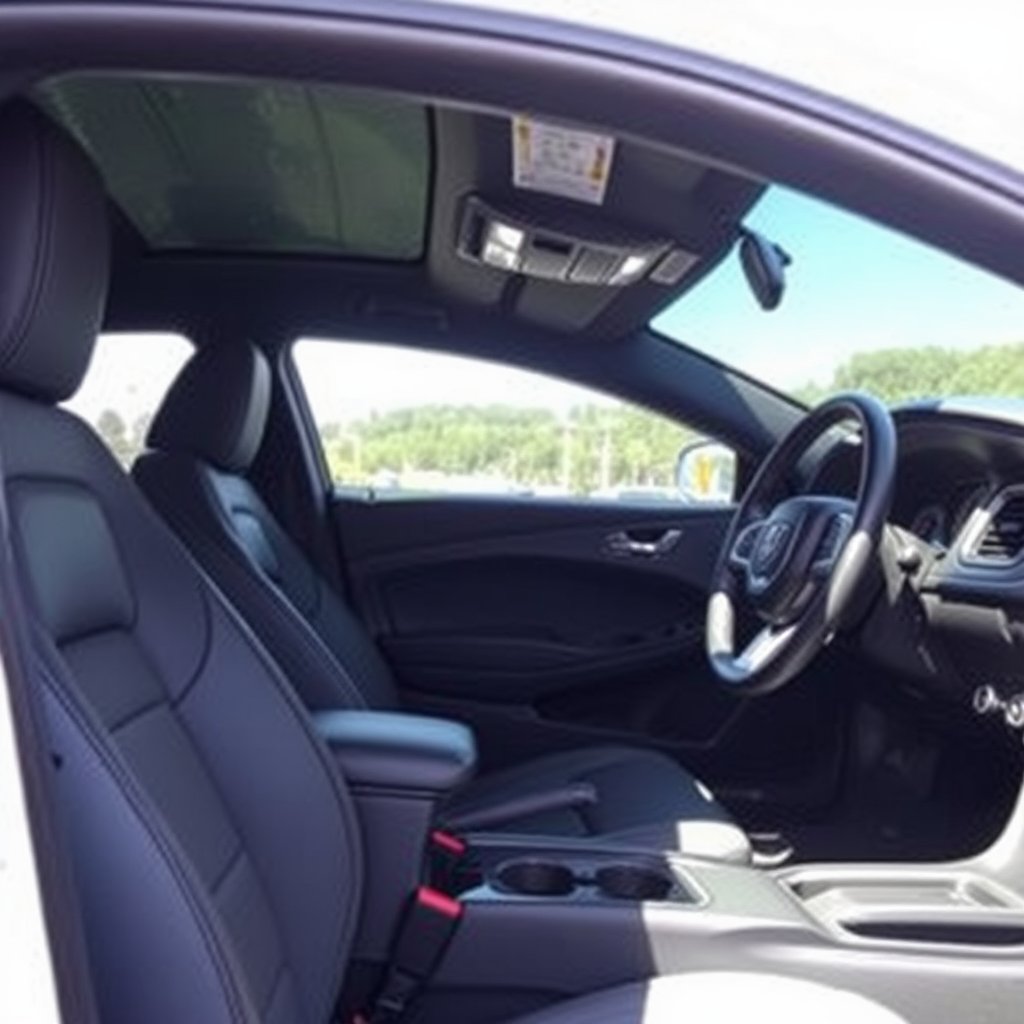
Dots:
{"x": 864, "y": 308}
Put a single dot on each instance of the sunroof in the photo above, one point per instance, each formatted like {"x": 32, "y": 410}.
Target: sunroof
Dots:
{"x": 253, "y": 166}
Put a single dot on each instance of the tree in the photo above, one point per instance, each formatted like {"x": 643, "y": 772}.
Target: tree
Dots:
{"x": 905, "y": 374}
{"x": 111, "y": 428}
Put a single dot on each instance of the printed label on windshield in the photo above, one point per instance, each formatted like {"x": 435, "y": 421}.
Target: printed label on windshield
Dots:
{"x": 561, "y": 161}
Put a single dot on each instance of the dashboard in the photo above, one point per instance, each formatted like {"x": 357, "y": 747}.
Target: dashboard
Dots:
{"x": 951, "y": 618}
{"x": 941, "y": 521}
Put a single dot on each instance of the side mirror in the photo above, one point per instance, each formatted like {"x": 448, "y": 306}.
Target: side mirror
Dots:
{"x": 706, "y": 473}
{"x": 764, "y": 266}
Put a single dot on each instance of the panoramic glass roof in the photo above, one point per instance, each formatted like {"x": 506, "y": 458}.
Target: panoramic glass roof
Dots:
{"x": 254, "y": 166}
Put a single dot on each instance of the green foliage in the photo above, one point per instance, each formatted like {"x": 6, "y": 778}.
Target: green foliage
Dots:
{"x": 904, "y": 374}
{"x": 124, "y": 443}
{"x": 597, "y": 447}
{"x": 591, "y": 448}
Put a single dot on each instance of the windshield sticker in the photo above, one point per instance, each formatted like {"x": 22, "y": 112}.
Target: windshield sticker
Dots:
{"x": 561, "y": 161}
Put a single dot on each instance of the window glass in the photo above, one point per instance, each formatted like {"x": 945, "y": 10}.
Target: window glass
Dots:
{"x": 125, "y": 383}
{"x": 401, "y": 422}
{"x": 865, "y": 308}
{"x": 340, "y": 172}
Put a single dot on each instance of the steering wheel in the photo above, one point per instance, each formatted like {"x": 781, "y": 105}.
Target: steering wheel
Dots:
{"x": 798, "y": 561}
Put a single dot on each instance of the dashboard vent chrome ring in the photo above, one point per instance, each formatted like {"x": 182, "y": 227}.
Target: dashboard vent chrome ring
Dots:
{"x": 997, "y": 537}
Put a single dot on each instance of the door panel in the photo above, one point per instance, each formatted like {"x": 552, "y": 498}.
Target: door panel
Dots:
{"x": 528, "y": 620}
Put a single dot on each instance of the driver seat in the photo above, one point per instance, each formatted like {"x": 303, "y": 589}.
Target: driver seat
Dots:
{"x": 216, "y": 854}
{"x": 201, "y": 443}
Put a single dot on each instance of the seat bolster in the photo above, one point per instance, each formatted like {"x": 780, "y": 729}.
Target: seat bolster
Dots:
{"x": 116, "y": 833}
{"x": 186, "y": 495}
{"x": 303, "y": 623}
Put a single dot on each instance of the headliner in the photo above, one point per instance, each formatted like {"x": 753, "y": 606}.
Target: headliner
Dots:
{"x": 259, "y": 190}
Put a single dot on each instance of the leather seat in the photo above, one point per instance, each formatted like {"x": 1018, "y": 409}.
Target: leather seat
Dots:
{"x": 201, "y": 442}
{"x": 185, "y": 767}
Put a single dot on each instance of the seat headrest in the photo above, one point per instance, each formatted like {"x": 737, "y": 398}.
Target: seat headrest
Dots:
{"x": 216, "y": 409}
{"x": 54, "y": 256}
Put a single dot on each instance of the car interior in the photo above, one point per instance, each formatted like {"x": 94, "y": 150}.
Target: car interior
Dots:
{"x": 314, "y": 754}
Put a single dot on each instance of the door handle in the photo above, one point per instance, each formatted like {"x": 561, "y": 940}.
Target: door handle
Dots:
{"x": 623, "y": 545}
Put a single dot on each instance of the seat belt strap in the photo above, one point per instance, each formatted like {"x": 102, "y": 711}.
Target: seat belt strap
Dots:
{"x": 430, "y": 921}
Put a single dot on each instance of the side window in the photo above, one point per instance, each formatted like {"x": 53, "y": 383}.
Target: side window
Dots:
{"x": 399, "y": 422}
{"x": 125, "y": 384}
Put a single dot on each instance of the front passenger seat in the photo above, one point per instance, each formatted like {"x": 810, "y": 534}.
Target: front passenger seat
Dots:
{"x": 201, "y": 442}
{"x": 183, "y": 814}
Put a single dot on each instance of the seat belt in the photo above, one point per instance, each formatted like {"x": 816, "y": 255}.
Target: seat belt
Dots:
{"x": 431, "y": 919}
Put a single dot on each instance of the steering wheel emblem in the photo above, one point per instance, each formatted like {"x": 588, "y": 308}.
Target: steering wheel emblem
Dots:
{"x": 771, "y": 547}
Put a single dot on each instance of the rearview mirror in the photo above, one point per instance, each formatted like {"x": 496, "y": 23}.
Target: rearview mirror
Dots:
{"x": 764, "y": 266}
{"x": 706, "y": 473}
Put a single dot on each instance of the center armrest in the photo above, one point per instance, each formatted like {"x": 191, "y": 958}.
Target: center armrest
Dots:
{"x": 391, "y": 750}
{"x": 399, "y": 767}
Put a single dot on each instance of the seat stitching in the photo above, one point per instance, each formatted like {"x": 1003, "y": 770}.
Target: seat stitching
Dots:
{"x": 147, "y": 815}
{"x": 229, "y": 866}
{"x": 282, "y": 972}
{"x": 348, "y": 829}
{"x": 44, "y": 227}
{"x": 136, "y": 714}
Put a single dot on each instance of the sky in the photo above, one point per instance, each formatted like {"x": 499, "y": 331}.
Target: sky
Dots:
{"x": 852, "y": 286}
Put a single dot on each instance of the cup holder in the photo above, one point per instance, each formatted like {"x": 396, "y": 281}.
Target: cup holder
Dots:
{"x": 632, "y": 882}
{"x": 530, "y": 876}
{"x": 537, "y": 878}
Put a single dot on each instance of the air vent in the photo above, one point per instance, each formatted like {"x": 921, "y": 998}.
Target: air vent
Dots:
{"x": 1003, "y": 539}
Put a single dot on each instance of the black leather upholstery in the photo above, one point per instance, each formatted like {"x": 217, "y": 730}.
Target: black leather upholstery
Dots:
{"x": 643, "y": 799}
{"x": 198, "y": 903}
{"x": 387, "y": 750}
{"x": 49, "y": 313}
{"x": 311, "y": 633}
{"x": 216, "y": 853}
{"x": 217, "y": 408}
{"x": 323, "y": 648}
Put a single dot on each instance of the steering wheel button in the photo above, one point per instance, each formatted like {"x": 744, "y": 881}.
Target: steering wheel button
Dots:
{"x": 743, "y": 549}
{"x": 1013, "y": 712}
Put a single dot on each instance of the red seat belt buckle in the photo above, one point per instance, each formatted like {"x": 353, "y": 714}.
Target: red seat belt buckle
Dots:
{"x": 448, "y": 844}
{"x": 447, "y": 860}
{"x": 426, "y": 930}
{"x": 433, "y": 900}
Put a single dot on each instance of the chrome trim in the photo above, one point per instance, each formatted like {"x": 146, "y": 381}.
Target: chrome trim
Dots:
{"x": 978, "y": 523}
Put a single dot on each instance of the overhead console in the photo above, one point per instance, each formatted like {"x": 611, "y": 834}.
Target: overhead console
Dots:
{"x": 557, "y": 250}
{"x": 571, "y": 230}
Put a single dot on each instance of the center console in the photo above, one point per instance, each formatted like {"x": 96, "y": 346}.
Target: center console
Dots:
{"x": 399, "y": 769}
{"x": 929, "y": 942}
{"x": 544, "y": 918}
{"x": 909, "y": 907}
